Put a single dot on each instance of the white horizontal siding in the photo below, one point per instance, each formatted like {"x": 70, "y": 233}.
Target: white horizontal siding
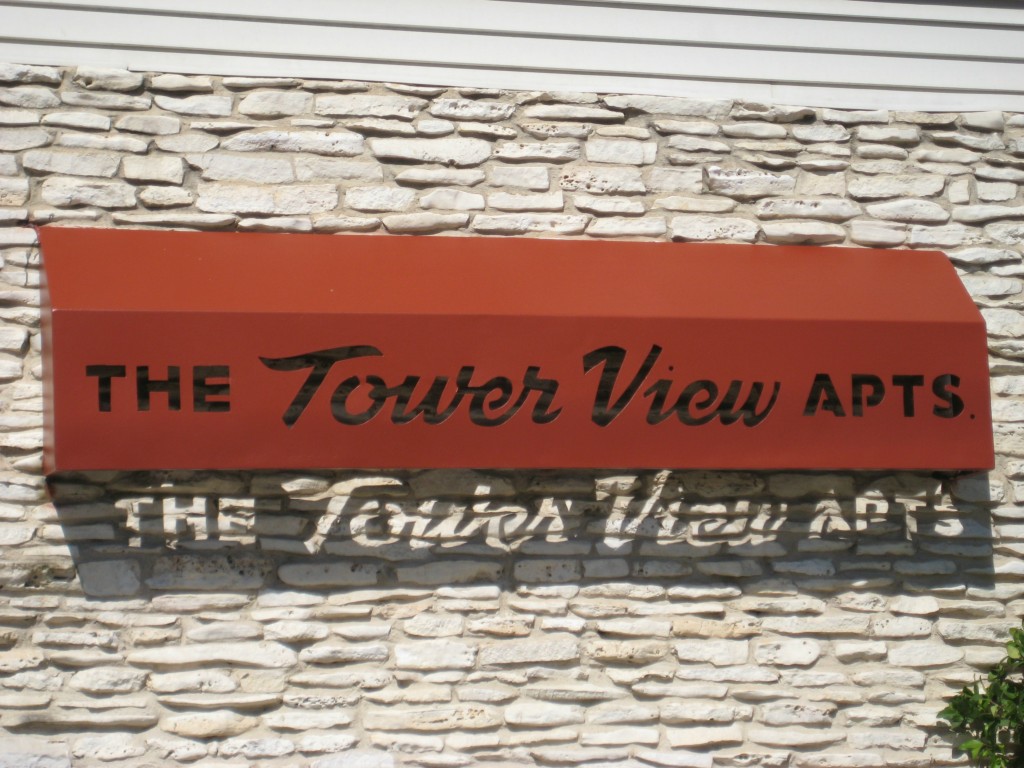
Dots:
{"x": 844, "y": 53}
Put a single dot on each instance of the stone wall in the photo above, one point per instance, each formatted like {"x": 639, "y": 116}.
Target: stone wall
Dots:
{"x": 454, "y": 618}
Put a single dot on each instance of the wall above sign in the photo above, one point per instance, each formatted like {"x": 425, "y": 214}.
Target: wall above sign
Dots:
{"x": 186, "y": 350}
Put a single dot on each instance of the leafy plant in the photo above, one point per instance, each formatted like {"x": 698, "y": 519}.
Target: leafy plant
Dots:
{"x": 990, "y": 713}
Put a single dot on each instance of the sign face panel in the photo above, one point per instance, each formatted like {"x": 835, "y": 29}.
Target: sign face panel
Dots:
{"x": 167, "y": 350}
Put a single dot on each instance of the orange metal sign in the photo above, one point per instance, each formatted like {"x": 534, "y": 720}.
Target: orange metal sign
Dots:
{"x": 222, "y": 350}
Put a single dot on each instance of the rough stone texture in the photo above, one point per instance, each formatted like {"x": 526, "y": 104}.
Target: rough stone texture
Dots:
{"x": 461, "y": 617}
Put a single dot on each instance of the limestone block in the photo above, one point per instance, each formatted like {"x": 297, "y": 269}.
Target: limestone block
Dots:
{"x": 506, "y": 201}
{"x": 795, "y": 737}
{"x": 379, "y": 199}
{"x": 113, "y": 746}
{"x": 266, "y": 655}
{"x": 553, "y": 649}
{"x": 578, "y": 112}
{"x": 71, "y": 163}
{"x": 319, "y": 168}
{"x": 335, "y": 653}
{"x": 720, "y": 653}
{"x": 621, "y": 151}
{"x": 544, "y": 715}
{"x": 369, "y": 105}
{"x": 13, "y": 191}
{"x": 465, "y": 717}
{"x": 791, "y": 232}
{"x": 196, "y": 106}
{"x": 797, "y": 208}
{"x": 427, "y": 177}
{"x": 217, "y": 197}
{"x": 544, "y": 152}
{"x": 877, "y": 233}
{"x": 193, "y": 83}
{"x": 255, "y": 748}
{"x": 424, "y": 223}
{"x": 331, "y": 143}
{"x": 29, "y": 97}
{"x": 33, "y": 751}
{"x": 449, "y": 199}
{"x": 170, "y": 170}
{"x": 64, "y": 192}
{"x": 223, "y": 167}
{"x": 435, "y": 654}
{"x": 626, "y": 652}
{"x": 787, "y": 653}
{"x": 702, "y": 737}
{"x": 17, "y": 139}
{"x": 328, "y": 574}
{"x": 199, "y": 681}
{"x": 885, "y": 186}
{"x": 682, "y": 713}
{"x": 459, "y": 152}
{"x": 1006, "y": 232}
{"x": 974, "y": 214}
{"x": 472, "y": 109}
{"x": 272, "y": 104}
{"x": 619, "y": 226}
{"x": 698, "y": 227}
{"x": 744, "y": 184}
{"x": 668, "y": 105}
{"x": 101, "y": 79}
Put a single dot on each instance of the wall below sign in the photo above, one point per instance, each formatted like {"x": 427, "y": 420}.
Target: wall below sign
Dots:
{"x": 459, "y": 617}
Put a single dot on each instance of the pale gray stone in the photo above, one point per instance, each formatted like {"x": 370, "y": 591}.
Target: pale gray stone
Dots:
{"x": 108, "y": 680}
{"x": 104, "y": 79}
{"x": 855, "y": 117}
{"x": 453, "y": 200}
{"x": 331, "y": 143}
{"x": 984, "y": 256}
{"x": 528, "y": 177}
{"x": 797, "y": 208}
{"x": 924, "y": 654}
{"x": 572, "y": 112}
{"x": 541, "y": 151}
{"x": 24, "y": 73}
{"x": 544, "y": 715}
{"x": 919, "y": 211}
{"x": 110, "y": 578}
{"x": 517, "y": 224}
{"x": 266, "y": 655}
{"x": 17, "y": 139}
{"x": 608, "y": 205}
{"x": 424, "y": 223}
{"x": 995, "y": 192}
{"x": 81, "y": 120}
{"x": 328, "y": 574}
{"x": 110, "y": 143}
{"x": 369, "y": 105}
{"x": 668, "y": 105}
{"x": 602, "y": 181}
{"x": 459, "y": 152}
{"x": 974, "y": 214}
{"x": 472, "y": 109}
{"x": 29, "y": 97}
{"x": 743, "y": 184}
{"x": 955, "y": 156}
{"x": 281, "y": 199}
{"x": 189, "y": 142}
{"x": 853, "y": 651}
{"x": 1005, "y": 232}
{"x": 816, "y": 232}
{"x": 787, "y": 653}
{"x": 621, "y": 151}
{"x": 983, "y": 121}
{"x": 755, "y": 131}
{"x": 820, "y": 133}
{"x": 880, "y": 187}
{"x": 948, "y": 236}
{"x": 688, "y": 180}
{"x": 13, "y": 191}
{"x": 176, "y": 219}
{"x": 704, "y": 228}
{"x": 866, "y": 232}
{"x": 465, "y": 717}
{"x": 705, "y": 736}
{"x": 554, "y": 648}
{"x": 984, "y": 143}
{"x": 208, "y": 725}
{"x": 65, "y": 192}
{"x": 164, "y": 169}
{"x": 317, "y": 168}
{"x": 426, "y": 177}
{"x": 196, "y": 106}
{"x": 748, "y": 110}
{"x": 505, "y": 201}
{"x": 186, "y": 83}
{"x": 795, "y": 737}
{"x": 273, "y": 104}
{"x": 435, "y": 654}
{"x": 71, "y": 163}
{"x": 377, "y": 199}
{"x": 620, "y": 226}
{"x": 890, "y": 134}
{"x": 334, "y": 653}
{"x": 154, "y": 125}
